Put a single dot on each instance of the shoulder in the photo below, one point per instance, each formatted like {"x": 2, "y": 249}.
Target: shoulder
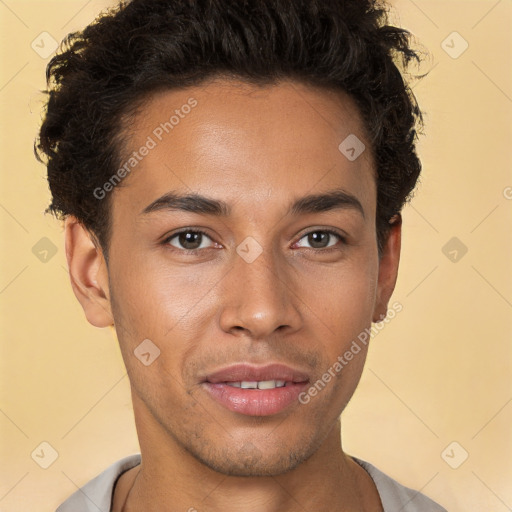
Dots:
{"x": 97, "y": 494}
{"x": 395, "y": 496}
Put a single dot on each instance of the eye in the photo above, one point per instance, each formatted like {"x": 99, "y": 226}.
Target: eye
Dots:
{"x": 189, "y": 240}
{"x": 320, "y": 239}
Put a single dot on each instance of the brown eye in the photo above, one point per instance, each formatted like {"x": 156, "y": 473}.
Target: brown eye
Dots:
{"x": 189, "y": 240}
{"x": 320, "y": 239}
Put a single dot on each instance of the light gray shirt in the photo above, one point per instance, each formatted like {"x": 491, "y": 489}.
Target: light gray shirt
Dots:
{"x": 96, "y": 496}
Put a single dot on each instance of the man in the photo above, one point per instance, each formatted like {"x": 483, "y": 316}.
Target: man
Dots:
{"x": 231, "y": 174}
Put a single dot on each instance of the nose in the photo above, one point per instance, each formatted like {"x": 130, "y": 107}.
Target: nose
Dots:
{"x": 258, "y": 298}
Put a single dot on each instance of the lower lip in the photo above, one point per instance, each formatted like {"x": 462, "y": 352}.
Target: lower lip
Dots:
{"x": 255, "y": 402}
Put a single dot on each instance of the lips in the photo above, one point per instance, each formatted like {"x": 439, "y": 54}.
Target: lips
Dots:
{"x": 256, "y": 391}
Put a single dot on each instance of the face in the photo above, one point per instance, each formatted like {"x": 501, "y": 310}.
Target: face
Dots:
{"x": 244, "y": 249}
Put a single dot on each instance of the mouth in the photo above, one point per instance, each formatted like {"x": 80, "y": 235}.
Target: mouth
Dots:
{"x": 256, "y": 391}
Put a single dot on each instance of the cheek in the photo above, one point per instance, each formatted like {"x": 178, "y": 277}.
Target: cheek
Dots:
{"x": 343, "y": 298}
{"x": 345, "y": 305}
{"x": 169, "y": 306}
{"x": 156, "y": 298}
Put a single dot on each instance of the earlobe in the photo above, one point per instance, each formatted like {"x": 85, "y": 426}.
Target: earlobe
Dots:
{"x": 388, "y": 269}
{"x": 88, "y": 273}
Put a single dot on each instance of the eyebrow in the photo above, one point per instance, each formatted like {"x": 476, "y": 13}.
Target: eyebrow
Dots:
{"x": 313, "y": 203}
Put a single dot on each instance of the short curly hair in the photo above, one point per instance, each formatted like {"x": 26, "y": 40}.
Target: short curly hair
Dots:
{"x": 102, "y": 73}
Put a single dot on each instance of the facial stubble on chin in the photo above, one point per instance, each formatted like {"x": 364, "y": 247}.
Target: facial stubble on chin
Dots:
{"x": 249, "y": 460}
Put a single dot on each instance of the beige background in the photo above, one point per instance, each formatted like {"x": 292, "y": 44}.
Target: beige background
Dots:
{"x": 439, "y": 374}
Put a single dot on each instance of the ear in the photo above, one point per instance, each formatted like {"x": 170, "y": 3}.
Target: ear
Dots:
{"x": 388, "y": 268}
{"x": 88, "y": 273}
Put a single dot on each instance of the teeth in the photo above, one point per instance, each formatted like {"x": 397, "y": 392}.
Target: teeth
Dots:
{"x": 270, "y": 384}
{"x": 248, "y": 384}
{"x": 262, "y": 384}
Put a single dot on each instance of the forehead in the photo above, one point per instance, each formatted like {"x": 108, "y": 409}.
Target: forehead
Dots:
{"x": 246, "y": 144}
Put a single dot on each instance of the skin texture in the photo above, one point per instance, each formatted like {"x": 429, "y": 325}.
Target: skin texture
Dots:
{"x": 258, "y": 150}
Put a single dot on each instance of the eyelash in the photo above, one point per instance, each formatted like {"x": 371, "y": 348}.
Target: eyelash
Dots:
{"x": 331, "y": 232}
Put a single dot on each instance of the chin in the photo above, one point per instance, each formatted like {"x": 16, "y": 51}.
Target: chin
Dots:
{"x": 250, "y": 461}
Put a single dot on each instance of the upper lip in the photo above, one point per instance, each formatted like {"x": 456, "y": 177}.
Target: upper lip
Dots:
{"x": 247, "y": 372}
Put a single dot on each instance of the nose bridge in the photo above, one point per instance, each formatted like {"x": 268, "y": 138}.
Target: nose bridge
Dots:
{"x": 258, "y": 297}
